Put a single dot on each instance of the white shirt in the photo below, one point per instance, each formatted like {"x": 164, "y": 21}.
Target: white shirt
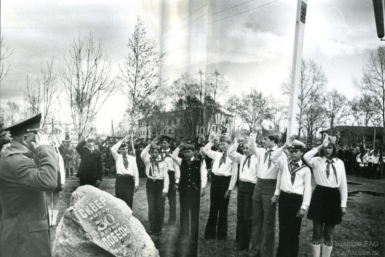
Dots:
{"x": 170, "y": 163}
{"x": 228, "y": 168}
{"x": 375, "y": 159}
{"x": 302, "y": 181}
{"x": 246, "y": 173}
{"x": 319, "y": 170}
{"x": 203, "y": 168}
{"x": 132, "y": 168}
{"x": 158, "y": 174}
{"x": 264, "y": 171}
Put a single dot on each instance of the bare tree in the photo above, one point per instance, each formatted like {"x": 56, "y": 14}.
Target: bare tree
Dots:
{"x": 12, "y": 113}
{"x": 87, "y": 80}
{"x": 311, "y": 87}
{"x": 336, "y": 108}
{"x": 252, "y": 107}
{"x": 365, "y": 110}
{"x": 6, "y": 51}
{"x": 216, "y": 85}
{"x": 314, "y": 117}
{"x": 43, "y": 96}
{"x": 140, "y": 72}
{"x": 355, "y": 111}
{"x": 32, "y": 98}
{"x": 47, "y": 80}
{"x": 373, "y": 80}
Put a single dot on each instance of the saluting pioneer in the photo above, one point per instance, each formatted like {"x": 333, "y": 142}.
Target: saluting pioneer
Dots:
{"x": 27, "y": 169}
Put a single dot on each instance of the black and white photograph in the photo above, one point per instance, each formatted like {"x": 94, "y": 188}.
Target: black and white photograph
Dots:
{"x": 186, "y": 128}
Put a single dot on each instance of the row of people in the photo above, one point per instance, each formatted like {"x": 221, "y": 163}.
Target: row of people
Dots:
{"x": 277, "y": 181}
{"x": 266, "y": 179}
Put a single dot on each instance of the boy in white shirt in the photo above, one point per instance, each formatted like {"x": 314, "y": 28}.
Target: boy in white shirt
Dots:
{"x": 294, "y": 198}
{"x": 156, "y": 186}
{"x": 247, "y": 180}
{"x": 127, "y": 175}
{"x": 223, "y": 179}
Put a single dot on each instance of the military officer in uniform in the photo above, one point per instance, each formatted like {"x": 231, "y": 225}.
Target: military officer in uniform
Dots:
{"x": 27, "y": 169}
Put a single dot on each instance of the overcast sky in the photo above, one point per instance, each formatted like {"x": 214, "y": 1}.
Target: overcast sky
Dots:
{"x": 250, "y": 42}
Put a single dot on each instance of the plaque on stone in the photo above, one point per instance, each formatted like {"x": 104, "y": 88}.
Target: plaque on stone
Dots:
{"x": 98, "y": 224}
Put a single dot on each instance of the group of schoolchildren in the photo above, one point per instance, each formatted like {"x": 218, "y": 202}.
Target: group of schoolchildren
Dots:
{"x": 269, "y": 177}
{"x": 367, "y": 163}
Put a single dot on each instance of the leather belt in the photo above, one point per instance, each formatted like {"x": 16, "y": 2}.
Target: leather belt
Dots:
{"x": 124, "y": 175}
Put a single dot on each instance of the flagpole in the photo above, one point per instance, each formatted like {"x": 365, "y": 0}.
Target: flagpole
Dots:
{"x": 296, "y": 67}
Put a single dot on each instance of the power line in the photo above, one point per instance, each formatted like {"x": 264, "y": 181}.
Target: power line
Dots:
{"x": 181, "y": 20}
{"x": 211, "y": 14}
{"x": 244, "y": 11}
{"x": 186, "y": 26}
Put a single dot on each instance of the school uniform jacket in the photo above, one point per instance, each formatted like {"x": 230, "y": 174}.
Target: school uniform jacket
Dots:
{"x": 193, "y": 175}
{"x": 24, "y": 229}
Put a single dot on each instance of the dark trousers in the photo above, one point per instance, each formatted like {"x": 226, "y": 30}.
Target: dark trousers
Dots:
{"x": 171, "y": 195}
{"x": 189, "y": 212}
{"x": 262, "y": 241}
{"x": 217, "y": 226}
{"x": 155, "y": 204}
{"x": 142, "y": 172}
{"x": 68, "y": 171}
{"x": 124, "y": 189}
{"x": 245, "y": 212}
{"x": 83, "y": 182}
{"x": 289, "y": 224}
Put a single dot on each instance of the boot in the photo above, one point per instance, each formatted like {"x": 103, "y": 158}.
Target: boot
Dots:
{"x": 316, "y": 250}
{"x": 326, "y": 250}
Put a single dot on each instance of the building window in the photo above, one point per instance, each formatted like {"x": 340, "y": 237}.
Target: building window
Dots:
{"x": 170, "y": 131}
{"x": 201, "y": 130}
{"x": 165, "y": 131}
{"x": 169, "y": 122}
{"x": 175, "y": 122}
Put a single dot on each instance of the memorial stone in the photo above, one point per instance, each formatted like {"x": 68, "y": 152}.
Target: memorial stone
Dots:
{"x": 98, "y": 224}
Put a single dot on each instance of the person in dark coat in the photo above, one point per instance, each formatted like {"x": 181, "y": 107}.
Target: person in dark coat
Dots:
{"x": 91, "y": 168}
{"x": 62, "y": 149}
{"x": 27, "y": 169}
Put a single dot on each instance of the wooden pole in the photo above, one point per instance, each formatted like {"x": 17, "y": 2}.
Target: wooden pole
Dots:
{"x": 296, "y": 67}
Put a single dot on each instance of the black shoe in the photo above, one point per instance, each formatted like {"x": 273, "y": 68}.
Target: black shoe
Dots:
{"x": 150, "y": 232}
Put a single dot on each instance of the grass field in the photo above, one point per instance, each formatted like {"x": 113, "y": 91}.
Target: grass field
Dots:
{"x": 362, "y": 232}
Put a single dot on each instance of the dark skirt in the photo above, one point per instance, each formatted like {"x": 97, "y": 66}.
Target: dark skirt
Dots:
{"x": 325, "y": 205}
{"x": 58, "y": 186}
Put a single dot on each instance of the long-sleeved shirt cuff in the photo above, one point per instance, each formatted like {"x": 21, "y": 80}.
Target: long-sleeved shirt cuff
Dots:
{"x": 277, "y": 192}
{"x": 304, "y": 207}
{"x": 343, "y": 204}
